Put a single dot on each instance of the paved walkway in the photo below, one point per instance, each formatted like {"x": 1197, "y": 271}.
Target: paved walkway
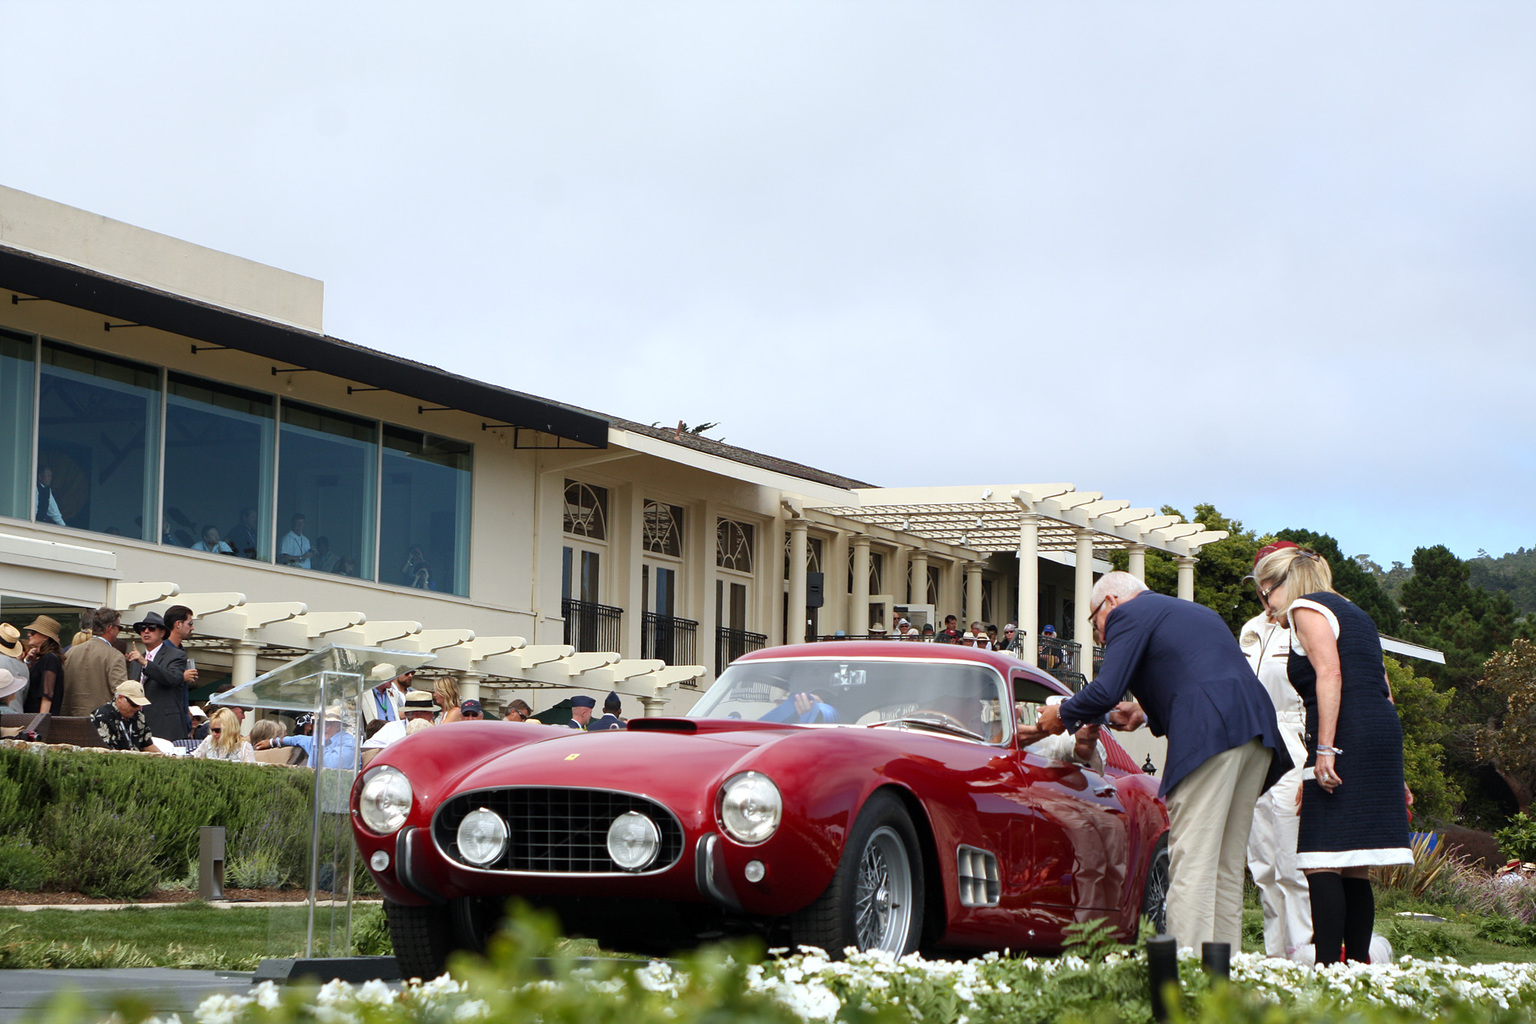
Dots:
{"x": 167, "y": 990}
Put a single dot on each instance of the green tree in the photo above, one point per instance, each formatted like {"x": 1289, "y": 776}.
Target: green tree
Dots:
{"x": 1425, "y": 714}
{"x": 1438, "y": 588}
{"x": 1506, "y": 739}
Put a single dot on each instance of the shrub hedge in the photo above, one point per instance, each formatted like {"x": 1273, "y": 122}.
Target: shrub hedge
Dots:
{"x": 120, "y": 825}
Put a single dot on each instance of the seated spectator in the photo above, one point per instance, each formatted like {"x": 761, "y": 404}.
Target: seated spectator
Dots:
{"x": 267, "y": 729}
{"x": 224, "y": 742}
{"x": 200, "y": 723}
{"x": 1050, "y": 648}
{"x": 950, "y": 634}
{"x": 992, "y": 636}
{"x": 211, "y": 542}
{"x": 121, "y": 723}
{"x": 337, "y": 750}
{"x": 13, "y": 691}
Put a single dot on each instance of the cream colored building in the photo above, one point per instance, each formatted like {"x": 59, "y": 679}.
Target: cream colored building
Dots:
{"x": 161, "y": 388}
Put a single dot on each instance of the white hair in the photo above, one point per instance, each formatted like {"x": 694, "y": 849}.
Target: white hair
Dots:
{"x": 1115, "y": 584}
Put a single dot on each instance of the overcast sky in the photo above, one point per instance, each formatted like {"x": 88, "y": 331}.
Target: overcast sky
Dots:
{"x": 1279, "y": 257}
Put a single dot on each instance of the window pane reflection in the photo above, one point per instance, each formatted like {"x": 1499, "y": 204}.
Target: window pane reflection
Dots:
{"x": 218, "y": 464}
{"x": 16, "y": 363}
{"x": 326, "y": 484}
{"x": 98, "y": 438}
{"x": 424, "y": 520}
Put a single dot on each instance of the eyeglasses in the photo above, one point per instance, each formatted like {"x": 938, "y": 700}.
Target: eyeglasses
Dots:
{"x": 1266, "y": 591}
{"x": 216, "y": 731}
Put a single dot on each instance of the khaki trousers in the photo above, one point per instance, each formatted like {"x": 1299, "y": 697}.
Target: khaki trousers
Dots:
{"x": 1210, "y": 813}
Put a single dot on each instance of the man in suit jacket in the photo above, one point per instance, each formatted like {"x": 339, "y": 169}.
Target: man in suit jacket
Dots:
{"x": 93, "y": 670}
{"x": 1192, "y": 685}
{"x": 162, "y": 668}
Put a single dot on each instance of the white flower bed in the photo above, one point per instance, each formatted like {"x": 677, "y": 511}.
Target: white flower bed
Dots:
{"x": 926, "y": 991}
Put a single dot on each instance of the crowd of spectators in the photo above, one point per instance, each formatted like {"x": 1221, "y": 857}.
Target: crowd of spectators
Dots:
{"x": 134, "y": 688}
{"x": 1052, "y": 653}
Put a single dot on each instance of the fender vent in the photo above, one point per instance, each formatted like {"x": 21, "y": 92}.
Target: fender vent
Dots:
{"x": 979, "y": 883}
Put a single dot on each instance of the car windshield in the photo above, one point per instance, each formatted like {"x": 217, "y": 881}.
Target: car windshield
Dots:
{"x": 954, "y": 696}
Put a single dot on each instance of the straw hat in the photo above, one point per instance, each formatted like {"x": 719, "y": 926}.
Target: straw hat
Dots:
{"x": 10, "y": 641}
{"x": 11, "y": 684}
{"x": 48, "y": 626}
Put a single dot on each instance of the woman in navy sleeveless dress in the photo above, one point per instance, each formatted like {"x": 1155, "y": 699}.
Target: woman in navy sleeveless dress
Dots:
{"x": 1353, "y": 812}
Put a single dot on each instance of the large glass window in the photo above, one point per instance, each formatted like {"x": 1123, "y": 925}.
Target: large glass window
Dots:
{"x": 424, "y": 520}
{"x": 16, "y": 368}
{"x": 326, "y": 486}
{"x": 98, "y": 440}
{"x": 218, "y": 467}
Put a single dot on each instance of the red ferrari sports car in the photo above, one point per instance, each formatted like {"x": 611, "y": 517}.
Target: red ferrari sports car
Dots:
{"x": 880, "y": 795}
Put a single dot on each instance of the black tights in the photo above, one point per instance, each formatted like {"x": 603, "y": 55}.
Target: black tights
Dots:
{"x": 1343, "y": 913}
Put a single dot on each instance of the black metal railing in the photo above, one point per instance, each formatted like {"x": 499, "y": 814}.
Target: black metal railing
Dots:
{"x": 674, "y": 641}
{"x": 591, "y": 627}
{"x": 731, "y": 644}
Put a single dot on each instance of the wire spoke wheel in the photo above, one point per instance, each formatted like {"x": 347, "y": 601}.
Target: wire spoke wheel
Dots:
{"x": 883, "y": 893}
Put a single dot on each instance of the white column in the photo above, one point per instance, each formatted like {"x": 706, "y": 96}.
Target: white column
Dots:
{"x": 794, "y": 628}
{"x": 858, "y": 601}
{"x": 972, "y": 593}
{"x": 918, "y": 592}
{"x": 1137, "y": 554}
{"x": 469, "y": 685}
{"x": 242, "y": 668}
{"x": 1186, "y": 577}
{"x": 655, "y": 707}
{"x": 1082, "y": 630}
{"x": 895, "y": 574}
{"x": 1029, "y": 585}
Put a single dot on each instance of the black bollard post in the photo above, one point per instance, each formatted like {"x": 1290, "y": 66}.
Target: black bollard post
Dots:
{"x": 1216, "y": 958}
{"x": 1162, "y": 971}
{"x": 210, "y": 862}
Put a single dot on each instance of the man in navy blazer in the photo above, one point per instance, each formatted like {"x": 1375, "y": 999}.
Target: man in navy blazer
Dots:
{"x": 1192, "y": 685}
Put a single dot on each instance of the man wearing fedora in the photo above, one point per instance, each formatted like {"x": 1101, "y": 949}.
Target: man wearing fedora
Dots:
{"x": 94, "y": 668}
{"x": 121, "y": 722}
{"x": 386, "y": 701}
{"x": 162, "y": 668}
{"x": 13, "y": 659}
{"x": 419, "y": 707}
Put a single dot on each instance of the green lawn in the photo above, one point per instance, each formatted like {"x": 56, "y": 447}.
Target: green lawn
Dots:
{"x": 199, "y": 936}
{"x": 187, "y": 935}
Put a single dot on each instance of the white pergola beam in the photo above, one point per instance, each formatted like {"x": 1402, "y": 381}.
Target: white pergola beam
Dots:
{"x": 134, "y": 595}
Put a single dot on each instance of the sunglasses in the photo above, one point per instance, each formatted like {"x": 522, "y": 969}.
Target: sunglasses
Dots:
{"x": 216, "y": 731}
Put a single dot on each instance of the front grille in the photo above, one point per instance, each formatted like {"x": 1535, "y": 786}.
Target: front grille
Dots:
{"x": 556, "y": 831}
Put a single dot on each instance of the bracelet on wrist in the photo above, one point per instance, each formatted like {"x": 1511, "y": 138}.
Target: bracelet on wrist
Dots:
{"x": 1323, "y": 749}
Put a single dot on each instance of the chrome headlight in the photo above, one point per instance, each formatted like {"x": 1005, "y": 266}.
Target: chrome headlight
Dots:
{"x": 633, "y": 841}
{"x": 385, "y": 799}
{"x": 482, "y": 836}
{"x": 750, "y": 807}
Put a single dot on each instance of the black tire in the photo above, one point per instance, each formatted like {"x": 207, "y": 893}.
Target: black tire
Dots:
{"x": 1154, "y": 894}
{"x": 422, "y": 936}
{"x": 875, "y": 898}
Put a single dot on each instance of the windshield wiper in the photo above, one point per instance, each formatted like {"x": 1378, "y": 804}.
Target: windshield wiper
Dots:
{"x": 937, "y": 721}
